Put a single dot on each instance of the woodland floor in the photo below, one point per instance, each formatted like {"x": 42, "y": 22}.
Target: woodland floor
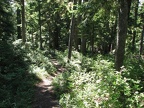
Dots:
{"x": 44, "y": 93}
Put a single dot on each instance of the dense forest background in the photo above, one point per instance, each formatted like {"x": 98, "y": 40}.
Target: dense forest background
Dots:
{"x": 99, "y": 43}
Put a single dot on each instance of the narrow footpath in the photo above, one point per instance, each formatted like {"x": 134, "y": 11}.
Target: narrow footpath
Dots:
{"x": 44, "y": 94}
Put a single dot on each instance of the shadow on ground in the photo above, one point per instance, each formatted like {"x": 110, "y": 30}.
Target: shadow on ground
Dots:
{"x": 45, "y": 95}
{"x": 16, "y": 83}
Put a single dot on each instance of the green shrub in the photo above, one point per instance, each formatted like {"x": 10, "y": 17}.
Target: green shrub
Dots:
{"x": 93, "y": 83}
{"x": 16, "y": 83}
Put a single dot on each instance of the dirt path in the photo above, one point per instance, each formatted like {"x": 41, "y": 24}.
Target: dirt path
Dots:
{"x": 44, "y": 94}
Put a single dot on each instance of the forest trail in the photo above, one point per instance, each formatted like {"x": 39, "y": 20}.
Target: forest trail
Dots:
{"x": 44, "y": 94}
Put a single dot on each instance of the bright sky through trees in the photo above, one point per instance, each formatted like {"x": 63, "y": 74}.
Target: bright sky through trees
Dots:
{"x": 141, "y": 1}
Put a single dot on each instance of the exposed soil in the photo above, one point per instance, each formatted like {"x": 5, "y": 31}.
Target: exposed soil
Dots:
{"x": 44, "y": 94}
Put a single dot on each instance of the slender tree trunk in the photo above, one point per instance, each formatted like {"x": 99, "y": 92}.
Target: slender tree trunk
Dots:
{"x": 56, "y": 32}
{"x": 135, "y": 25}
{"x": 108, "y": 43}
{"x": 40, "y": 30}
{"x": 83, "y": 45}
{"x": 141, "y": 42}
{"x": 18, "y": 24}
{"x": 71, "y": 33}
{"x": 56, "y": 37}
{"x": 92, "y": 39}
{"x": 76, "y": 30}
{"x": 113, "y": 35}
{"x": 76, "y": 35}
{"x": 129, "y": 7}
{"x": 76, "y": 39}
{"x": 120, "y": 44}
{"x": 50, "y": 38}
{"x": 23, "y": 22}
{"x": 83, "y": 40}
{"x": 121, "y": 34}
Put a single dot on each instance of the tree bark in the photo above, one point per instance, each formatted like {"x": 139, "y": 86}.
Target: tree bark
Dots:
{"x": 23, "y": 22}
{"x": 83, "y": 39}
{"x": 141, "y": 42}
{"x": 71, "y": 34}
{"x": 18, "y": 24}
{"x": 135, "y": 25}
{"x": 121, "y": 34}
{"x": 129, "y": 7}
{"x": 40, "y": 30}
{"x": 92, "y": 39}
{"x": 83, "y": 45}
{"x": 76, "y": 29}
{"x": 56, "y": 32}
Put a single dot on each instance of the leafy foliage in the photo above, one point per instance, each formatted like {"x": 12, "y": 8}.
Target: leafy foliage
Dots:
{"x": 89, "y": 81}
{"x": 15, "y": 81}
{"x": 6, "y": 17}
{"x": 20, "y": 69}
{"x": 94, "y": 83}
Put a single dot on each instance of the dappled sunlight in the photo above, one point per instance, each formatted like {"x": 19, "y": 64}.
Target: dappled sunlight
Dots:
{"x": 41, "y": 73}
{"x": 96, "y": 83}
{"x": 44, "y": 98}
{"x": 71, "y": 53}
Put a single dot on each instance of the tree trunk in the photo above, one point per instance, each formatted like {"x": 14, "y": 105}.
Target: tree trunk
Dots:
{"x": 76, "y": 29}
{"x": 18, "y": 24}
{"x": 141, "y": 42}
{"x": 71, "y": 33}
{"x": 56, "y": 37}
{"x": 76, "y": 35}
{"x": 23, "y": 22}
{"x": 40, "y": 31}
{"x": 121, "y": 34}
{"x": 113, "y": 35}
{"x": 92, "y": 40}
{"x": 135, "y": 25}
{"x": 83, "y": 45}
{"x": 129, "y": 7}
{"x": 83, "y": 40}
{"x": 56, "y": 32}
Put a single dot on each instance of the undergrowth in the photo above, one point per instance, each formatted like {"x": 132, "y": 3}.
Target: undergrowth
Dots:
{"x": 93, "y": 83}
{"x": 89, "y": 82}
{"x": 16, "y": 83}
{"x": 21, "y": 67}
